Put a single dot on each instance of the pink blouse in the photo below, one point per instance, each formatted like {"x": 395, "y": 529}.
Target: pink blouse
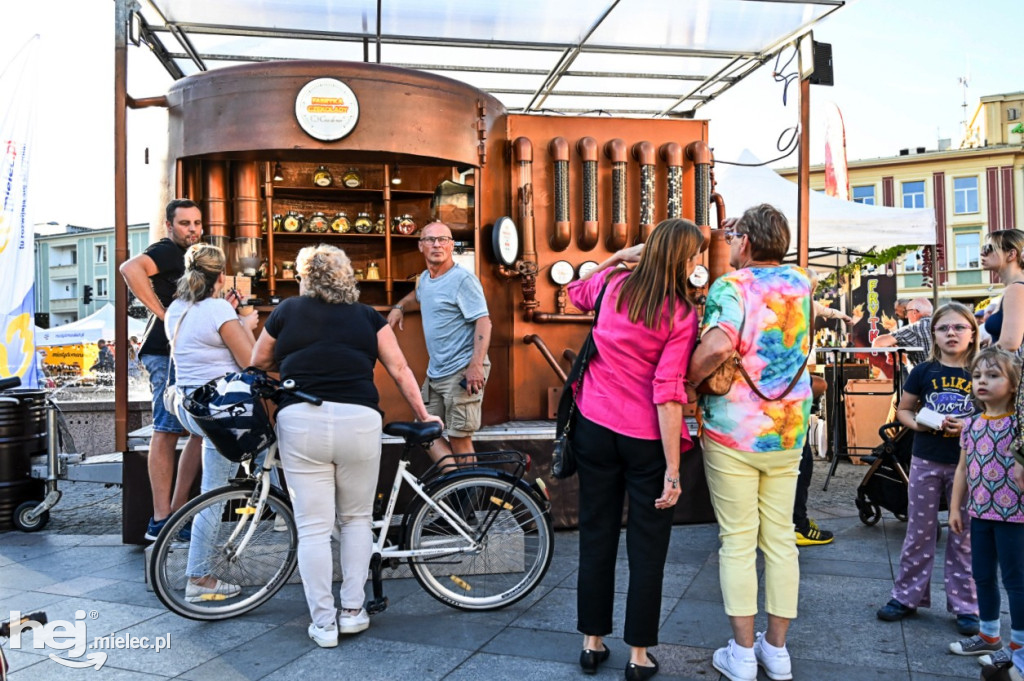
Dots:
{"x": 634, "y": 368}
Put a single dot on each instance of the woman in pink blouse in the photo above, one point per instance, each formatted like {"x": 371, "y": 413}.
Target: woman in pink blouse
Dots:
{"x": 629, "y": 433}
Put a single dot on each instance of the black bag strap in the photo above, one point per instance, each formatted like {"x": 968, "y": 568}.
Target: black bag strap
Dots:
{"x": 579, "y": 366}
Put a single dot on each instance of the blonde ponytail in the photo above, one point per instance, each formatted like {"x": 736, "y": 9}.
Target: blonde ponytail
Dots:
{"x": 203, "y": 266}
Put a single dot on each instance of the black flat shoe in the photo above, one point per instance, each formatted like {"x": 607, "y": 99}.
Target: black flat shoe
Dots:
{"x": 590, "y": 660}
{"x": 637, "y": 672}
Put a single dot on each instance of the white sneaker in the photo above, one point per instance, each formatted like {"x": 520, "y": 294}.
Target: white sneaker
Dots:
{"x": 353, "y": 624}
{"x": 732, "y": 667}
{"x": 196, "y": 593}
{"x": 776, "y": 665}
{"x": 325, "y": 637}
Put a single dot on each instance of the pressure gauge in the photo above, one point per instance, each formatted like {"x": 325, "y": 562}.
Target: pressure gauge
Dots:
{"x": 505, "y": 241}
{"x": 586, "y": 268}
{"x": 562, "y": 272}
{"x": 699, "y": 276}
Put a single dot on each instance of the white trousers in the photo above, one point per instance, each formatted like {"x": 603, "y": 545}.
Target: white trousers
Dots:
{"x": 331, "y": 456}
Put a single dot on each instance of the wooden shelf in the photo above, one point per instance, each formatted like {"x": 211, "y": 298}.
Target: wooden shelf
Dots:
{"x": 328, "y": 193}
{"x": 328, "y": 235}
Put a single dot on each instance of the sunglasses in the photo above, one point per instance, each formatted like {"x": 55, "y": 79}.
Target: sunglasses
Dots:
{"x": 729, "y": 236}
{"x": 987, "y": 249}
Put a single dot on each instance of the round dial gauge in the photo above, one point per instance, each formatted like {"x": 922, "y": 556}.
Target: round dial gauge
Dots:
{"x": 699, "y": 276}
{"x": 562, "y": 272}
{"x": 586, "y": 268}
{"x": 505, "y": 241}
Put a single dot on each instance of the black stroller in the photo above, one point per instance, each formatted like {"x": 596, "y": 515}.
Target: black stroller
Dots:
{"x": 886, "y": 483}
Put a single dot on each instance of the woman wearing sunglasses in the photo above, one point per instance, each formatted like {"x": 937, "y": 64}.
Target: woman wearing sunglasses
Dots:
{"x": 1004, "y": 255}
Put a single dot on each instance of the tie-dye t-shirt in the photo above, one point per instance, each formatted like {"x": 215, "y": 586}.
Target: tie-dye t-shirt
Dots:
{"x": 765, "y": 313}
{"x": 993, "y": 495}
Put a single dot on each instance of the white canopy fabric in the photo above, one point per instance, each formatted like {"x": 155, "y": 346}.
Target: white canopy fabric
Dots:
{"x": 834, "y": 223}
{"x": 624, "y": 57}
{"x": 99, "y": 324}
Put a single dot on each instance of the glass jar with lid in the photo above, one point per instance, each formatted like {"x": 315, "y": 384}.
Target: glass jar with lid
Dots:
{"x": 372, "y": 271}
{"x": 340, "y": 224}
{"x": 363, "y": 223}
{"x": 293, "y": 222}
{"x": 352, "y": 178}
{"x": 317, "y": 223}
{"x": 278, "y": 219}
{"x": 322, "y": 177}
{"x": 405, "y": 225}
{"x": 287, "y": 269}
{"x": 381, "y": 225}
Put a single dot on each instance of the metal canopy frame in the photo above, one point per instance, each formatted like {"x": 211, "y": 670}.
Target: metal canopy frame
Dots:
{"x": 572, "y": 57}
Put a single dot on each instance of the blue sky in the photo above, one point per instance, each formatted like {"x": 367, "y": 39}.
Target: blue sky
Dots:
{"x": 896, "y": 68}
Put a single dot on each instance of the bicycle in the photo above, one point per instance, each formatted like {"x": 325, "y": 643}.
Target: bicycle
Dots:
{"x": 476, "y": 535}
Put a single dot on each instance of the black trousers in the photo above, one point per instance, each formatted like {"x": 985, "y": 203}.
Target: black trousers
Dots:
{"x": 610, "y": 466}
{"x": 803, "y": 483}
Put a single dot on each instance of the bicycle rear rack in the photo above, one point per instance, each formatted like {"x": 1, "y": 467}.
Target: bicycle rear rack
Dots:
{"x": 511, "y": 462}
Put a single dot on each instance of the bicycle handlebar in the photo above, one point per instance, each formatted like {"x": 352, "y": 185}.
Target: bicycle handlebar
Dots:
{"x": 273, "y": 389}
{"x": 289, "y": 386}
{"x": 9, "y": 383}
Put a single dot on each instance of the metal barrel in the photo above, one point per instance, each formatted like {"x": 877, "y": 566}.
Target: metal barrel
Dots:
{"x": 22, "y": 436}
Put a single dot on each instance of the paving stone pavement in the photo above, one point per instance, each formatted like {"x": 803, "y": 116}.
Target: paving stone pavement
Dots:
{"x": 79, "y": 564}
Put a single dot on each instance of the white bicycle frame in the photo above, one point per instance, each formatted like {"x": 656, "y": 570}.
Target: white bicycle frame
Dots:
{"x": 381, "y": 526}
{"x": 264, "y": 479}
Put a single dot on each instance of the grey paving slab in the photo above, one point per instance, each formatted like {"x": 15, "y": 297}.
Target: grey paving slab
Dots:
{"x": 823, "y": 669}
{"x": 706, "y": 584}
{"x": 696, "y": 623}
{"x": 811, "y": 564}
{"x": 190, "y": 643}
{"x": 364, "y": 658}
{"x": 553, "y": 646}
{"x": 77, "y": 586}
{"x": 256, "y": 658}
{"x": 506, "y": 668}
{"x": 26, "y": 602}
{"x": 49, "y": 670}
{"x": 557, "y": 611}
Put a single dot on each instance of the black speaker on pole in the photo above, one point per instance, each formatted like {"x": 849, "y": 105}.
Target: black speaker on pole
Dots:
{"x": 822, "y": 64}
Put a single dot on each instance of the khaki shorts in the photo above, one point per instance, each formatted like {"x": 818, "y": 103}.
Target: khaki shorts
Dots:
{"x": 459, "y": 409}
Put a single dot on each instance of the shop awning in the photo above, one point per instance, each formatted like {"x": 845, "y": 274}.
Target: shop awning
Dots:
{"x": 619, "y": 57}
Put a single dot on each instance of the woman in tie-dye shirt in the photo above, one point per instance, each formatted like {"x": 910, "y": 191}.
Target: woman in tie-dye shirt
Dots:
{"x": 752, "y": 445}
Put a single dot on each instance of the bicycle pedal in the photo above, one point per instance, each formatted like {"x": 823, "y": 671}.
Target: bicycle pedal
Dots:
{"x": 377, "y": 605}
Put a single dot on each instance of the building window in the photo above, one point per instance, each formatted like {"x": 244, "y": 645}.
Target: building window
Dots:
{"x": 101, "y": 288}
{"x": 968, "y": 245}
{"x": 1012, "y": 113}
{"x": 913, "y": 194}
{"x": 101, "y": 253}
{"x": 965, "y": 195}
{"x": 913, "y": 261}
{"x": 864, "y": 195}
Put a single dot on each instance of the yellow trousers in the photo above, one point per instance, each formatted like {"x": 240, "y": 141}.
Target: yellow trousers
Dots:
{"x": 753, "y": 494}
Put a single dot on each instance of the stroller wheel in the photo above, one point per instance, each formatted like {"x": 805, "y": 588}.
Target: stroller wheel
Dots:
{"x": 902, "y": 517}
{"x": 870, "y": 514}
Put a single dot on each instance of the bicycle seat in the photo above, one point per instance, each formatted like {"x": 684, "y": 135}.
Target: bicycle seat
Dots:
{"x": 414, "y": 432}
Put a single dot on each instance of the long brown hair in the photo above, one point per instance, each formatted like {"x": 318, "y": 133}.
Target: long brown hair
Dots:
{"x": 660, "y": 277}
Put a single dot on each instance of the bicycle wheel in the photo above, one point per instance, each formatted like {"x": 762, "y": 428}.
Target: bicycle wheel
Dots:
{"x": 497, "y": 569}
{"x": 221, "y": 534}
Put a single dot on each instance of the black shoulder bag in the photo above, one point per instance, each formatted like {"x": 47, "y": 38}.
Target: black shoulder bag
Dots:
{"x": 563, "y": 459}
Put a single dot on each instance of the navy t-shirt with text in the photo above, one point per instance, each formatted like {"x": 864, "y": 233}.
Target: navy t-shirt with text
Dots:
{"x": 946, "y": 390}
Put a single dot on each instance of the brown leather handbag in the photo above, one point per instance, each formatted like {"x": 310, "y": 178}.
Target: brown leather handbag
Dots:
{"x": 720, "y": 381}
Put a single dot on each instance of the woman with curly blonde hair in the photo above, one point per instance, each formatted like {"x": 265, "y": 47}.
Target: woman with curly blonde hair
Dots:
{"x": 328, "y": 343}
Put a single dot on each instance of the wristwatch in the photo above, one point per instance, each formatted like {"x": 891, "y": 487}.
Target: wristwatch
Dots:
{"x": 399, "y": 308}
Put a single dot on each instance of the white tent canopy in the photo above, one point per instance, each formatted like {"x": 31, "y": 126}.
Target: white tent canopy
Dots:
{"x": 99, "y": 324}
{"x": 834, "y": 223}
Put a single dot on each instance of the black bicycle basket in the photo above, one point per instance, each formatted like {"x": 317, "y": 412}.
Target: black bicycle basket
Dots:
{"x": 231, "y": 414}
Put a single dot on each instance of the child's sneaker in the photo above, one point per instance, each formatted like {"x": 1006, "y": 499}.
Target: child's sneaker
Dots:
{"x": 997, "y": 658}
{"x": 325, "y": 637}
{"x": 776, "y": 665}
{"x": 732, "y": 667}
{"x": 975, "y": 645}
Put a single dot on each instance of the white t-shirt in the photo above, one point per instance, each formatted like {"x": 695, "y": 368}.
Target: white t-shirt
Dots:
{"x": 200, "y": 354}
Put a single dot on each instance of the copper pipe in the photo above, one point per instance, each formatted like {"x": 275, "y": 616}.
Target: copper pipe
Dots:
{"x": 268, "y": 184}
{"x": 534, "y": 339}
{"x": 145, "y": 102}
{"x": 245, "y": 181}
{"x": 522, "y": 152}
{"x": 672, "y": 154}
{"x": 719, "y": 202}
{"x": 215, "y": 207}
{"x": 803, "y": 166}
{"x": 699, "y": 154}
{"x": 561, "y": 233}
{"x": 643, "y": 152}
{"x": 572, "y": 317}
{"x": 615, "y": 150}
{"x": 587, "y": 149}
{"x": 570, "y": 355}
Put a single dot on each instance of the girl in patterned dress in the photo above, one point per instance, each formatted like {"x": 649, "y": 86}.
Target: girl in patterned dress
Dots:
{"x": 943, "y": 385}
{"x": 993, "y": 502}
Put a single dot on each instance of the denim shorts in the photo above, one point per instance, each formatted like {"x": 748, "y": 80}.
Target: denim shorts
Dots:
{"x": 158, "y": 366}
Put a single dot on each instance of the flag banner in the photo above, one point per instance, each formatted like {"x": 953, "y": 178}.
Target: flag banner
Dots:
{"x": 837, "y": 176}
{"x": 17, "y": 274}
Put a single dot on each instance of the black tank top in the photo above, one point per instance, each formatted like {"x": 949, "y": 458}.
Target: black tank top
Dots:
{"x": 994, "y": 323}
